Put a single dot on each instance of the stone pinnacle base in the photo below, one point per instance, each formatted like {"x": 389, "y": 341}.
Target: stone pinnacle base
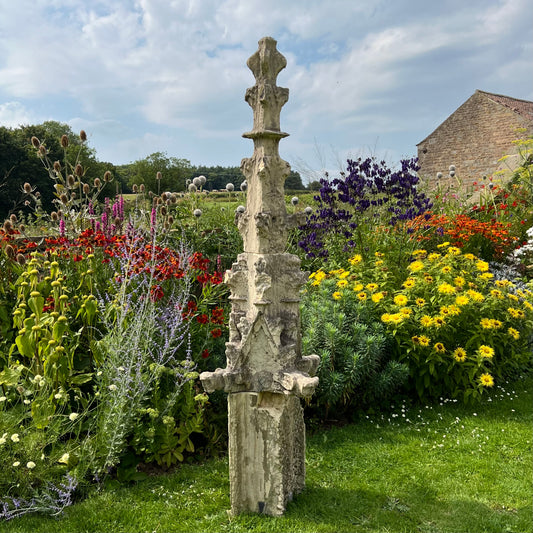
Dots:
{"x": 266, "y": 451}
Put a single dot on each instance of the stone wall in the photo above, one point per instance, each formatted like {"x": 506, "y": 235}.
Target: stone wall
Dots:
{"x": 473, "y": 139}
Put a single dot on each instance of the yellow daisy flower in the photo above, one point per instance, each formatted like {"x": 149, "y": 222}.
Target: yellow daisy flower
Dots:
{"x": 486, "y": 351}
{"x": 361, "y": 296}
{"x": 486, "y": 380}
{"x": 426, "y": 321}
{"x": 462, "y": 300}
{"x": 446, "y": 288}
{"x": 372, "y": 287}
{"x": 501, "y": 282}
{"x": 355, "y": 260}
{"x": 470, "y": 257}
{"x": 416, "y": 266}
{"x": 459, "y": 281}
{"x": 453, "y": 310}
{"x": 423, "y": 340}
{"x": 453, "y": 250}
{"x": 459, "y": 355}
{"x": 439, "y": 321}
{"x": 446, "y": 269}
{"x": 482, "y": 266}
{"x": 433, "y": 256}
{"x": 358, "y": 287}
{"x": 485, "y": 323}
{"x": 439, "y": 347}
{"x": 514, "y": 333}
{"x": 342, "y": 283}
{"x": 420, "y": 302}
{"x": 377, "y": 297}
{"x": 337, "y": 295}
{"x": 475, "y": 295}
{"x": 400, "y": 299}
{"x": 496, "y": 293}
{"x": 396, "y": 318}
{"x": 409, "y": 283}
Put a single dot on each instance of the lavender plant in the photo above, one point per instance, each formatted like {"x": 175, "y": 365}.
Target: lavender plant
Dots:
{"x": 362, "y": 207}
{"x": 157, "y": 345}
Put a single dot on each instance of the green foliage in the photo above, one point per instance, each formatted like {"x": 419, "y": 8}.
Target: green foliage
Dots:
{"x": 158, "y": 173}
{"x": 22, "y": 162}
{"x": 355, "y": 368}
{"x": 163, "y": 431}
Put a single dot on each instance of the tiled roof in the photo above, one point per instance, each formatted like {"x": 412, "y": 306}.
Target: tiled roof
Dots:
{"x": 522, "y": 107}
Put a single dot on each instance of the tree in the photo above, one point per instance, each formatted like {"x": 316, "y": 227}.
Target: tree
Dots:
{"x": 159, "y": 173}
{"x": 20, "y": 163}
{"x": 294, "y": 182}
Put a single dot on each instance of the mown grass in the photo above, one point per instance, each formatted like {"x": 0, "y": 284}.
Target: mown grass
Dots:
{"x": 425, "y": 469}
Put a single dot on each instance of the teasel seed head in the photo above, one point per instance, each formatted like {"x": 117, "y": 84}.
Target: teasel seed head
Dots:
{"x": 13, "y": 218}
{"x": 54, "y": 216}
{"x": 135, "y": 189}
{"x": 36, "y": 142}
{"x": 42, "y": 150}
{"x": 10, "y": 251}
{"x": 22, "y": 228}
{"x": 79, "y": 170}
{"x": 21, "y": 260}
{"x": 164, "y": 210}
{"x": 64, "y": 199}
{"x": 158, "y": 176}
{"x": 27, "y": 188}
{"x": 83, "y": 136}
{"x": 70, "y": 180}
{"x": 97, "y": 183}
{"x": 86, "y": 188}
{"x": 108, "y": 176}
{"x": 64, "y": 141}
{"x": 170, "y": 219}
{"x": 141, "y": 187}
{"x": 8, "y": 226}
{"x": 57, "y": 166}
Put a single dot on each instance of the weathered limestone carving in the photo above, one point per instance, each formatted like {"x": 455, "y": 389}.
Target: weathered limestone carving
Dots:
{"x": 266, "y": 374}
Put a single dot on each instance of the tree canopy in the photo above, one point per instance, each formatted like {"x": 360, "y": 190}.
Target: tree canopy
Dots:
{"x": 20, "y": 163}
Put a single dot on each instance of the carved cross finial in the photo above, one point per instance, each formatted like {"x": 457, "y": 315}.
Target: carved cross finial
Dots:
{"x": 267, "y": 62}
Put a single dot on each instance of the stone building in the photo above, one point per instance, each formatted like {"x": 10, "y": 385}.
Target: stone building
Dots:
{"x": 475, "y": 136}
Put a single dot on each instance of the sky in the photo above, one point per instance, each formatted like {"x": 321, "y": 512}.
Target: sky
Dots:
{"x": 365, "y": 77}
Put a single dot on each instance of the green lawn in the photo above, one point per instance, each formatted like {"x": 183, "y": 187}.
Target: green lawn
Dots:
{"x": 424, "y": 469}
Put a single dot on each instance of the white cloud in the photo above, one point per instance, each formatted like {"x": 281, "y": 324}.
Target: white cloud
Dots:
{"x": 14, "y": 114}
{"x": 173, "y": 71}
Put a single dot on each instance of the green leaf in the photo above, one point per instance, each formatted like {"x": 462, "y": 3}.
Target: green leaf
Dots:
{"x": 10, "y": 376}
{"x": 25, "y": 345}
{"x": 80, "y": 379}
